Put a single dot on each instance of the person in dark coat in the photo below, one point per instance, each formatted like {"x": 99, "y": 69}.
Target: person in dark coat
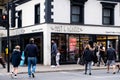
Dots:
{"x": 111, "y": 57}
{"x": 54, "y": 51}
{"x": 88, "y": 58}
{"x": 31, "y": 50}
{"x": 15, "y": 60}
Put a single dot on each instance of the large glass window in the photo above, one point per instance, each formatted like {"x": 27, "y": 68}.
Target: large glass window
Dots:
{"x": 72, "y": 45}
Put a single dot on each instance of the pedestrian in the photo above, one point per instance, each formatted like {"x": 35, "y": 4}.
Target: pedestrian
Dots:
{"x": 15, "y": 60}
{"x": 53, "y": 53}
{"x": 58, "y": 58}
{"x": 2, "y": 61}
{"x": 95, "y": 59}
{"x": 88, "y": 57}
{"x": 31, "y": 50}
{"x": 111, "y": 57}
{"x": 101, "y": 55}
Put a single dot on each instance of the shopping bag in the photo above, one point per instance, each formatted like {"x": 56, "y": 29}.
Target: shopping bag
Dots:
{"x": 22, "y": 59}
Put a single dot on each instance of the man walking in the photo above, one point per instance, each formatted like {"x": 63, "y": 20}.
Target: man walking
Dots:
{"x": 111, "y": 57}
{"x": 53, "y": 53}
{"x": 31, "y": 50}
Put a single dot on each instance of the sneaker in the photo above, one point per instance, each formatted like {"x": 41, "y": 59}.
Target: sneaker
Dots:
{"x": 33, "y": 75}
{"x": 52, "y": 66}
{"x": 29, "y": 76}
{"x": 11, "y": 75}
{"x": 58, "y": 65}
{"x": 90, "y": 74}
{"x": 15, "y": 76}
{"x": 4, "y": 66}
{"x": 113, "y": 72}
{"x": 107, "y": 71}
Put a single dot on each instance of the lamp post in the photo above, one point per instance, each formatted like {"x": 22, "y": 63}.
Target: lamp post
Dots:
{"x": 8, "y": 46}
{"x": 10, "y": 5}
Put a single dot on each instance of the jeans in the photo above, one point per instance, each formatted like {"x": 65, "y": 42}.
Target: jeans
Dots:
{"x": 31, "y": 63}
{"x": 57, "y": 59}
{"x": 101, "y": 58}
{"x": 88, "y": 66}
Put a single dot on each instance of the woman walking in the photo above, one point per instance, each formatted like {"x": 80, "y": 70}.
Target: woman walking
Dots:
{"x": 88, "y": 57}
{"x": 15, "y": 60}
{"x": 58, "y": 58}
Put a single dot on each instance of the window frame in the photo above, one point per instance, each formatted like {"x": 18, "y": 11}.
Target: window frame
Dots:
{"x": 37, "y": 14}
{"x": 81, "y": 14}
{"x": 111, "y": 7}
{"x": 111, "y": 17}
{"x": 20, "y": 19}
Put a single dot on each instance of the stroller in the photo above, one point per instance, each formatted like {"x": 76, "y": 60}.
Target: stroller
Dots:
{"x": 2, "y": 61}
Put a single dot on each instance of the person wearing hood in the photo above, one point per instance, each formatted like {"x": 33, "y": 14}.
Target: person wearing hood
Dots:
{"x": 15, "y": 60}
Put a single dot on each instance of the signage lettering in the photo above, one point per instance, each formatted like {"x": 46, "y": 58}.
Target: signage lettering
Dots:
{"x": 66, "y": 28}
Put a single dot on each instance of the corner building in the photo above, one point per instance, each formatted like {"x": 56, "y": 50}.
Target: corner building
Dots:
{"x": 71, "y": 23}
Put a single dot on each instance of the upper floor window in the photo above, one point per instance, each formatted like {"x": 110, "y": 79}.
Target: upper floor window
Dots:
{"x": 77, "y": 12}
{"x": 0, "y": 17}
{"x": 0, "y": 11}
{"x": 19, "y": 19}
{"x": 108, "y": 16}
{"x": 37, "y": 13}
{"x": 108, "y": 13}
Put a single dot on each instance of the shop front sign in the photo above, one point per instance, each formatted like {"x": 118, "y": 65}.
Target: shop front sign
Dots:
{"x": 83, "y": 29}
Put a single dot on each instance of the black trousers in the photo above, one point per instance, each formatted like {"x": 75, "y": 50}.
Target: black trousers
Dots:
{"x": 53, "y": 59}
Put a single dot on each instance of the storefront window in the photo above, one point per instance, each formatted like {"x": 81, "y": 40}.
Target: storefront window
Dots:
{"x": 72, "y": 45}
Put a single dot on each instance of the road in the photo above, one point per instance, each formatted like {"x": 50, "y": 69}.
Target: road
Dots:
{"x": 66, "y": 75}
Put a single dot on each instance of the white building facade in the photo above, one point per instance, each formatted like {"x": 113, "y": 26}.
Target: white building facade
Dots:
{"x": 71, "y": 23}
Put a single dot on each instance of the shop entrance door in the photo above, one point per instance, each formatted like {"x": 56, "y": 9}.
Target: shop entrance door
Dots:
{"x": 39, "y": 42}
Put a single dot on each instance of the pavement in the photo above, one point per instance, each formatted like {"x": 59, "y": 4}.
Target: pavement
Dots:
{"x": 43, "y": 68}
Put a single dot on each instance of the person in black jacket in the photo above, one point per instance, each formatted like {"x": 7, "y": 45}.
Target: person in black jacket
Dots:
{"x": 111, "y": 57}
{"x": 88, "y": 58}
{"x": 15, "y": 60}
{"x": 31, "y": 50}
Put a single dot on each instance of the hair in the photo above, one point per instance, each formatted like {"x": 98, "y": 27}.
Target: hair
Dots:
{"x": 110, "y": 45}
{"x": 17, "y": 47}
{"x": 87, "y": 46}
{"x": 31, "y": 40}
